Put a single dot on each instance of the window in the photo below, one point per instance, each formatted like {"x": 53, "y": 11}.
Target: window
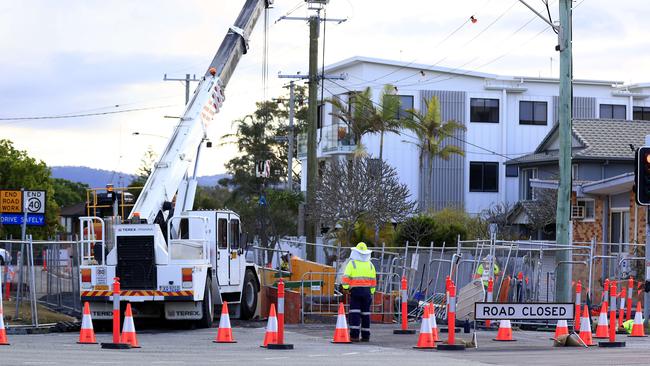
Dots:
{"x": 512, "y": 171}
{"x": 484, "y": 110}
{"x": 222, "y": 233}
{"x": 526, "y": 191}
{"x": 574, "y": 171}
{"x": 641, "y": 113}
{"x": 533, "y": 113}
{"x": 483, "y": 177}
{"x": 405, "y": 103}
{"x": 619, "y": 231}
{"x": 589, "y": 209}
{"x": 234, "y": 234}
{"x": 612, "y": 111}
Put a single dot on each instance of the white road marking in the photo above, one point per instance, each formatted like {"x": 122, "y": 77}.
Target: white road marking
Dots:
{"x": 350, "y": 353}
{"x": 275, "y": 358}
{"x": 317, "y": 356}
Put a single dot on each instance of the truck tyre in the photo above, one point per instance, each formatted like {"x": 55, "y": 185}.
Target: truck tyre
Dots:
{"x": 249, "y": 296}
{"x": 207, "y": 306}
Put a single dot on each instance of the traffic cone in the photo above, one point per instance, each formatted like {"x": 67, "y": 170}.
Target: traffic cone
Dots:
{"x": 3, "y": 333}
{"x": 434, "y": 325}
{"x": 341, "y": 333}
{"x": 87, "y": 333}
{"x": 637, "y": 328}
{"x": 425, "y": 340}
{"x": 505, "y": 332}
{"x": 585, "y": 328}
{"x": 224, "y": 333}
{"x": 602, "y": 331}
{"x": 271, "y": 335}
{"x": 128, "y": 329}
{"x": 562, "y": 328}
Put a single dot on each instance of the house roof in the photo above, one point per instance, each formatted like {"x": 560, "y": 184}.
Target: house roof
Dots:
{"x": 598, "y": 139}
{"x": 348, "y": 62}
{"x": 78, "y": 209}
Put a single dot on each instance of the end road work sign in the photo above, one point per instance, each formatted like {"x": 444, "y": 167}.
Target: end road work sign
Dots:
{"x": 523, "y": 311}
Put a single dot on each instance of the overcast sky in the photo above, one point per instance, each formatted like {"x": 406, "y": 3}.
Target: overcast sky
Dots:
{"x": 60, "y": 57}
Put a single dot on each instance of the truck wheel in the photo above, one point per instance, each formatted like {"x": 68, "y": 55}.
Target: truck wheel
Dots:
{"x": 208, "y": 307}
{"x": 249, "y": 296}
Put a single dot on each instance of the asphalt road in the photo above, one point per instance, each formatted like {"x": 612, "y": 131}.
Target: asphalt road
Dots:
{"x": 312, "y": 347}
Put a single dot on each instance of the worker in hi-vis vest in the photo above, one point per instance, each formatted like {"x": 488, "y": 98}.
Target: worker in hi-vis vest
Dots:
{"x": 483, "y": 274}
{"x": 360, "y": 279}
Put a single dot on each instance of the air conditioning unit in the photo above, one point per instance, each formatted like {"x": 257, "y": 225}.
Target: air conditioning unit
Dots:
{"x": 577, "y": 212}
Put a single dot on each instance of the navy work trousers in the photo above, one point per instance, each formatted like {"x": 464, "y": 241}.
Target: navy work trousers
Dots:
{"x": 360, "y": 301}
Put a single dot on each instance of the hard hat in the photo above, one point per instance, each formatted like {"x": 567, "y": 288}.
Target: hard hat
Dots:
{"x": 487, "y": 258}
{"x": 362, "y": 248}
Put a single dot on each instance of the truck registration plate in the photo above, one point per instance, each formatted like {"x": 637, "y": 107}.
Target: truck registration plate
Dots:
{"x": 169, "y": 288}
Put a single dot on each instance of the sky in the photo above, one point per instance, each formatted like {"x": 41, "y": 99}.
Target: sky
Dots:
{"x": 76, "y": 57}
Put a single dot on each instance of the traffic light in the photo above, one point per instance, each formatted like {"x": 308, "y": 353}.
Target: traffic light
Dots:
{"x": 642, "y": 179}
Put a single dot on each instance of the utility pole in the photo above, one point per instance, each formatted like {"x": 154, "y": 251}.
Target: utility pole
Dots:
{"x": 187, "y": 81}
{"x": 564, "y": 271}
{"x": 312, "y": 116}
{"x": 291, "y": 136}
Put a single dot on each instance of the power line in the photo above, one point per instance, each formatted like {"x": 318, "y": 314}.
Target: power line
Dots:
{"x": 62, "y": 116}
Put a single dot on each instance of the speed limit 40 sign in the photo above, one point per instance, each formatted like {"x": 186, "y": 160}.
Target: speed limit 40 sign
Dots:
{"x": 34, "y": 202}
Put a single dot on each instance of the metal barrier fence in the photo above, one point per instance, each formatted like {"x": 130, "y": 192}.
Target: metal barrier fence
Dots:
{"x": 40, "y": 272}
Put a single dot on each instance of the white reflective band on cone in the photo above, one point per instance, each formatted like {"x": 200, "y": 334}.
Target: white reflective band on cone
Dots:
{"x": 578, "y": 298}
{"x": 403, "y": 295}
{"x": 86, "y": 322}
{"x": 273, "y": 325}
{"x": 340, "y": 322}
{"x": 489, "y": 297}
{"x": 116, "y": 301}
{"x": 622, "y": 303}
{"x": 224, "y": 322}
{"x": 629, "y": 293}
{"x": 281, "y": 305}
{"x": 612, "y": 301}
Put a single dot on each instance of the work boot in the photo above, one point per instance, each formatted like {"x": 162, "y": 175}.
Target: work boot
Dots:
{"x": 354, "y": 340}
{"x": 365, "y": 339}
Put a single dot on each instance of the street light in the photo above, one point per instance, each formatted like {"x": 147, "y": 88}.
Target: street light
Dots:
{"x": 136, "y": 133}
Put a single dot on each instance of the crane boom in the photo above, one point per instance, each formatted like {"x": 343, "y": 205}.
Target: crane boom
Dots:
{"x": 182, "y": 150}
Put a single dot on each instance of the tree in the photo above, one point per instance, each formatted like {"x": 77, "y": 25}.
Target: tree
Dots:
{"x": 357, "y": 115}
{"x": 67, "y": 193}
{"x": 431, "y": 133}
{"x": 542, "y": 212}
{"x": 19, "y": 170}
{"x": 142, "y": 174}
{"x": 360, "y": 189}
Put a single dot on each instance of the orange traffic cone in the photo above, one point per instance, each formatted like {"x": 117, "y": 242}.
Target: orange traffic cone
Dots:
{"x": 128, "y": 329}
{"x": 426, "y": 338}
{"x": 3, "y": 333}
{"x": 341, "y": 333}
{"x": 505, "y": 332}
{"x": 637, "y": 328}
{"x": 562, "y": 328}
{"x": 271, "y": 335}
{"x": 602, "y": 331}
{"x": 224, "y": 333}
{"x": 434, "y": 325}
{"x": 585, "y": 328}
{"x": 87, "y": 333}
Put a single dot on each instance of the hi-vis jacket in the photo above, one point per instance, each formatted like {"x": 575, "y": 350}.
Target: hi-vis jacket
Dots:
{"x": 359, "y": 274}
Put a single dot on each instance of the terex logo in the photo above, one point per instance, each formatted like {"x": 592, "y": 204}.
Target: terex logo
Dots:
{"x": 187, "y": 313}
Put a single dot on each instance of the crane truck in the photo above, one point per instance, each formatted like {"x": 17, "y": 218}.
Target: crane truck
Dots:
{"x": 173, "y": 262}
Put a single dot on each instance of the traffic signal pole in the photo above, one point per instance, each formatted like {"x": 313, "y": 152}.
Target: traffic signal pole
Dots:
{"x": 646, "y": 295}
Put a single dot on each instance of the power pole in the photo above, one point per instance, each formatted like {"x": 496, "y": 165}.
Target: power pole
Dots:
{"x": 564, "y": 272}
{"x": 562, "y": 225}
{"x": 291, "y": 136}
{"x": 187, "y": 81}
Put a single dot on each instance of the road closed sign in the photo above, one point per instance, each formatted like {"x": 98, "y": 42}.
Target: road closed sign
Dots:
{"x": 523, "y": 311}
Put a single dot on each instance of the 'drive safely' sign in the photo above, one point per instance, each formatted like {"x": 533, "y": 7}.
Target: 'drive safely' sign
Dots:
{"x": 523, "y": 311}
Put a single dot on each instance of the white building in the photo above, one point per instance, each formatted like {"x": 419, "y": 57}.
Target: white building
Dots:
{"x": 505, "y": 117}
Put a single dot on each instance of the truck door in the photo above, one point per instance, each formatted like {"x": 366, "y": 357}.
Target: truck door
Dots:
{"x": 233, "y": 241}
{"x": 223, "y": 254}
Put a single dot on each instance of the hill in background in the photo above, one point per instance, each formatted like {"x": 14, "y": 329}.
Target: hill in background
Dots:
{"x": 97, "y": 178}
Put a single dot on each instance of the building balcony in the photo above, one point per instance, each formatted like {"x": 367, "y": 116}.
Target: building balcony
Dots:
{"x": 338, "y": 139}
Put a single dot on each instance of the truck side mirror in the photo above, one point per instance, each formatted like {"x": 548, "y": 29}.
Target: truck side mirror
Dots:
{"x": 243, "y": 241}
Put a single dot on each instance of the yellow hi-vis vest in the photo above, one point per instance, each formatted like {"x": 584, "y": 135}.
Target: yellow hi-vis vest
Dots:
{"x": 359, "y": 274}
{"x": 485, "y": 275}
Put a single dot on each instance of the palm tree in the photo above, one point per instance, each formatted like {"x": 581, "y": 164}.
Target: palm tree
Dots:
{"x": 431, "y": 132}
{"x": 363, "y": 116}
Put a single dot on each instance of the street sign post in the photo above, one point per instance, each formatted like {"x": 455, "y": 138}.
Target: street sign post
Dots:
{"x": 523, "y": 311}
